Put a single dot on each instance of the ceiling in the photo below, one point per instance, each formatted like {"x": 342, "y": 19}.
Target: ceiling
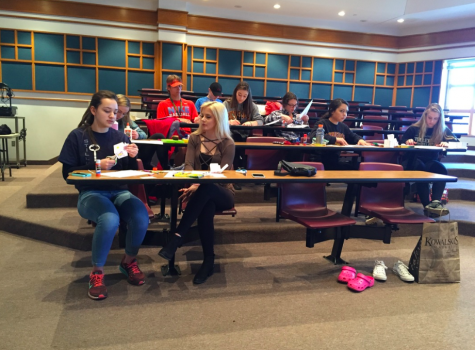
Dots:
{"x": 367, "y": 16}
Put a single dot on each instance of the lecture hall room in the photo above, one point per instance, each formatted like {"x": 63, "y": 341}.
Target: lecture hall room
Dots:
{"x": 270, "y": 286}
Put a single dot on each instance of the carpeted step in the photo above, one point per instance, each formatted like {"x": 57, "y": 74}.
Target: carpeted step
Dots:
{"x": 458, "y": 157}
{"x": 461, "y": 170}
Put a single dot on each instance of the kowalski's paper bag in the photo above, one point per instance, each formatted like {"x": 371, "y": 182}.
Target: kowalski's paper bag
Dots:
{"x": 436, "y": 257}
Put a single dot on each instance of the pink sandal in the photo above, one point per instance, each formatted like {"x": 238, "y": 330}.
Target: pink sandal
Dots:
{"x": 361, "y": 282}
{"x": 347, "y": 273}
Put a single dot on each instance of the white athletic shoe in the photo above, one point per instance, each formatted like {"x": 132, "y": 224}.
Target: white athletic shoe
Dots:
{"x": 402, "y": 271}
{"x": 379, "y": 271}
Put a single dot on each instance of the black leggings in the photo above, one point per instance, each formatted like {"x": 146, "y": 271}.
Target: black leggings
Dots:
{"x": 432, "y": 166}
{"x": 203, "y": 204}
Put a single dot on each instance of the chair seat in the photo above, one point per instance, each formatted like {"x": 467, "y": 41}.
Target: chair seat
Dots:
{"x": 330, "y": 219}
{"x": 396, "y": 216}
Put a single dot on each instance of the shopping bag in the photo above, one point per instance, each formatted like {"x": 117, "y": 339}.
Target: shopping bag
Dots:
{"x": 436, "y": 257}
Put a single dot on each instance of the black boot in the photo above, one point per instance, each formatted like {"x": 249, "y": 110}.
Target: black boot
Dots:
{"x": 206, "y": 270}
{"x": 169, "y": 250}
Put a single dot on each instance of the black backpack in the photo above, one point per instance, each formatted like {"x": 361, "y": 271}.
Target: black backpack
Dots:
{"x": 294, "y": 169}
{"x": 5, "y": 130}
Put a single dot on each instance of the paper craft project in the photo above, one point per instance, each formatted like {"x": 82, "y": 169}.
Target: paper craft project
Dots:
{"x": 305, "y": 111}
{"x": 119, "y": 150}
{"x": 149, "y": 142}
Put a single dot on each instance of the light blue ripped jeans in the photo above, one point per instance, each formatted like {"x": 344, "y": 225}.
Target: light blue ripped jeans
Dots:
{"x": 106, "y": 209}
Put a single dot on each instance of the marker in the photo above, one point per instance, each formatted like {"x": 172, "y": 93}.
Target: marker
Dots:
{"x": 80, "y": 174}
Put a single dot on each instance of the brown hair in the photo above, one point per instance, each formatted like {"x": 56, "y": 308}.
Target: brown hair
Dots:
{"x": 123, "y": 101}
{"x": 438, "y": 134}
{"x": 334, "y": 105}
{"x": 247, "y": 104}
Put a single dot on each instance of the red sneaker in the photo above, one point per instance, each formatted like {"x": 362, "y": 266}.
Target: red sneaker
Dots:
{"x": 133, "y": 273}
{"x": 97, "y": 288}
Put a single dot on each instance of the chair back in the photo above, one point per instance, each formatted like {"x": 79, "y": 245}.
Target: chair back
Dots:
{"x": 303, "y": 199}
{"x": 264, "y": 159}
{"x": 384, "y": 195}
{"x": 375, "y": 117}
{"x": 375, "y": 136}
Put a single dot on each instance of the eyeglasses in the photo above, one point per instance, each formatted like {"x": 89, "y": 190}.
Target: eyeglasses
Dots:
{"x": 293, "y": 106}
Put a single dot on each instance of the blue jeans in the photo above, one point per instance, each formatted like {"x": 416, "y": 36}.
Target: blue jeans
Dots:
{"x": 106, "y": 209}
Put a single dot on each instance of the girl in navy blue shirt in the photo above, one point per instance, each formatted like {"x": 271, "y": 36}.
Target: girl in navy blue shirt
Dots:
{"x": 106, "y": 205}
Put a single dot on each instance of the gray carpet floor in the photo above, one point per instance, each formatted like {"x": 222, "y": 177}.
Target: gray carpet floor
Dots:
{"x": 262, "y": 296}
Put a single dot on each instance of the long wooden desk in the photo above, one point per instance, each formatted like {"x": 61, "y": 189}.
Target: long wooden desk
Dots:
{"x": 352, "y": 178}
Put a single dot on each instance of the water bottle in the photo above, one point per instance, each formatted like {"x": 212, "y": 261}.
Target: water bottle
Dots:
{"x": 128, "y": 131}
{"x": 319, "y": 136}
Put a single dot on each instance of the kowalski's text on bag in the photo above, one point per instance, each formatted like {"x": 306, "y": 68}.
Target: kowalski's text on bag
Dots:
{"x": 436, "y": 258}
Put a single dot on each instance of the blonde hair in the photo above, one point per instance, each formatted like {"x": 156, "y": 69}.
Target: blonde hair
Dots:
{"x": 123, "y": 101}
{"x": 220, "y": 114}
{"x": 438, "y": 134}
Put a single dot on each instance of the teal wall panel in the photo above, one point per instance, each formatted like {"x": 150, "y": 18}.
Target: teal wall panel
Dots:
{"x": 365, "y": 72}
{"x": 437, "y": 72}
{"x": 257, "y": 87}
{"x": 410, "y": 68}
{"x": 8, "y": 52}
{"x": 211, "y": 54}
{"x": 148, "y": 63}
{"x": 88, "y": 43}
{"x": 81, "y": 79}
{"x": 202, "y": 83}
{"x": 302, "y": 90}
{"x": 24, "y": 38}
{"x": 134, "y": 62}
{"x": 380, "y": 80}
{"x": 338, "y": 77}
{"x": 228, "y": 84}
{"x": 248, "y": 57}
{"x": 276, "y": 88}
{"x": 210, "y": 68}
{"x": 306, "y": 75}
{"x": 383, "y": 96}
{"x": 435, "y": 94}
{"x": 339, "y": 64}
{"x": 295, "y": 61}
{"x": 24, "y": 53}
{"x": 421, "y": 97}
{"x": 49, "y": 47}
{"x": 418, "y": 79}
{"x": 391, "y": 68}
{"x": 199, "y": 53}
{"x": 133, "y": 47}
{"x": 277, "y": 66}
{"x": 322, "y": 69}
{"x": 343, "y": 91}
{"x": 306, "y": 62}
{"x": 389, "y": 80}
{"x": 49, "y": 78}
{"x": 427, "y": 79}
{"x": 381, "y": 68}
{"x": 350, "y": 65}
{"x": 73, "y": 57}
{"x": 428, "y": 66}
{"x": 409, "y": 80}
{"x": 73, "y": 42}
{"x": 402, "y": 68}
{"x": 295, "y": 74}
{"x": 148, "y": 49}
{"x": 89, "y": 58}
{"x": 7, "y": 36}
{"x": 321, "y": 91}
{"x": 139, "y": 80}
{"x": 419, "y": 67}
{"x": 229, "y": 62}
{"x": 171, "y": 56}
{"x": 260, "y": 72}
{"x": 403, "y": 97}
{"x": 17, "y": 75}
{"x": 349, "y": 78}
{"x": 198, "y": 67}
{"x": 248, "y": 71}
{"x": 111, "y": 53}
{"x": 112, "y": 79}
{"x": 189, "y": 60}
{"x": 260, "y": 58}
{"x": 363, "y": 93}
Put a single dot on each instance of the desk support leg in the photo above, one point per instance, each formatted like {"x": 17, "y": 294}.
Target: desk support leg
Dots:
{"x": 171, "y": 269}
{"x": 334, "y": 257}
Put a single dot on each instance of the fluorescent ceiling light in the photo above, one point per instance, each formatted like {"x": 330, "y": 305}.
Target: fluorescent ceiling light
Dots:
{"x": 277, "y": 6}
{"x": 341, "y": 13}
{"x": 400, "y": 20}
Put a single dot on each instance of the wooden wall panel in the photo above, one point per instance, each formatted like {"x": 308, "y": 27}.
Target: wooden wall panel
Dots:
{"x": 439, "y": 38}
{"x": 81, "y": 10}
{"x": 172, "y": 17}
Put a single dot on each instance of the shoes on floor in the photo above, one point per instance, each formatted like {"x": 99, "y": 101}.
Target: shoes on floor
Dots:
{"x": 361, "y": 282}
{"x": 97, "y": 288}
{"x": 402, "y": 271}
{"x": 379, "y": 271}
{"x": 435, "y": 209}
{"x": 168, "y": 252}
{"x": 133, "y": 273}
{"x": 347, "y": 273}
{"x": 205, "y": 271}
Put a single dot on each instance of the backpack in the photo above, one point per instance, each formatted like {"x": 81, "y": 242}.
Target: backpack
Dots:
{"x": 294, "y": 169}
{"x": 5, "y": 130}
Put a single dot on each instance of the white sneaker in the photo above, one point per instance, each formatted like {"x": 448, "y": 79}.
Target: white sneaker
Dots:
{"x": 402, "y": 271}
{"x": 379, "y": 271}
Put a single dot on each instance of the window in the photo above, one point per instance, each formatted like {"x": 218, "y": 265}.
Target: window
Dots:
{"x": 459, "y": 93}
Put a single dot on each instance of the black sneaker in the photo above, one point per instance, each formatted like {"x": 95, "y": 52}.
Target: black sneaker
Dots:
{"x": 435, "y": 209}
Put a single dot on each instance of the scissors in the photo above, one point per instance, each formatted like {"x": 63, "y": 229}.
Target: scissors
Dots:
{"x": 94, "y": 148}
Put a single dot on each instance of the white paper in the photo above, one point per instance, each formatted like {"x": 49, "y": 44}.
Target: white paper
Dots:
{"x": 429, "y": 147}
{"x": 125, "y": 173}
{"x": 457, "y": 145}
{"x": 297, "y": 126}
{"x": 305, "y": 111}
{"x": 149, "y": 142}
